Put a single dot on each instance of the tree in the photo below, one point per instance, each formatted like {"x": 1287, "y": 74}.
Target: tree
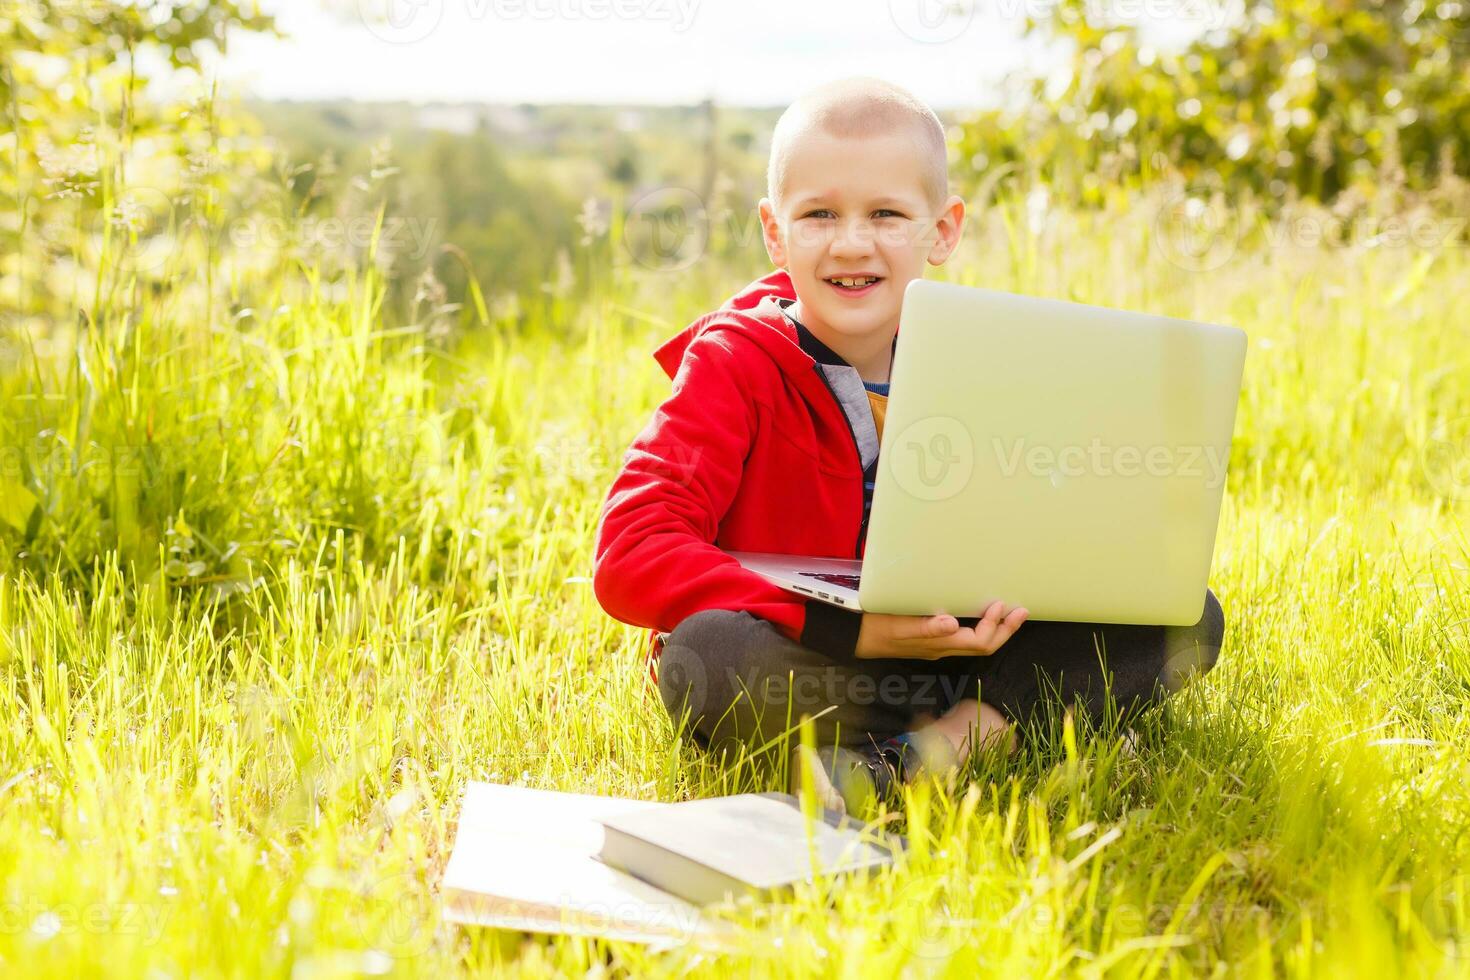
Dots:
{"x": 1293, "y": 98}
{"x": 71, "y": 110}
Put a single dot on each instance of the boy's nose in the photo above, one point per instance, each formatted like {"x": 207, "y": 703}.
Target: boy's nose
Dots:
{"x": 856, "y": 236}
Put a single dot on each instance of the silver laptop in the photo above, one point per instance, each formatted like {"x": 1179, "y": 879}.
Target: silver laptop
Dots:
{"x": 1066, "y": 458}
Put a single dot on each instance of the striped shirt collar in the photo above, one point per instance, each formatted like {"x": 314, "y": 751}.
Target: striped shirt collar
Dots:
{"x": 813, "y": 347}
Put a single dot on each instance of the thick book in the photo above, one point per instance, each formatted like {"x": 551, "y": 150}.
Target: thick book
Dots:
{"x": 754, "y": 843}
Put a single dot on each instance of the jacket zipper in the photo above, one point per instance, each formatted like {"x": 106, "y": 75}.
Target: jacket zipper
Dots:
{"x": 857, "y": 547}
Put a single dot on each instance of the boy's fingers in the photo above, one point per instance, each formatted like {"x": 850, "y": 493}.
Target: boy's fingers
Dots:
{"x": 924, "y": 627}
{"x": 1006, "y": 628}
{"x": 940, "y": 625}
{"x": 985, "y": 628}
{"x": 994, "y": 629}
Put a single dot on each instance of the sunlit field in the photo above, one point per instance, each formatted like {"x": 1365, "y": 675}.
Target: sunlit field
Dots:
{"x": 278, "y": 580}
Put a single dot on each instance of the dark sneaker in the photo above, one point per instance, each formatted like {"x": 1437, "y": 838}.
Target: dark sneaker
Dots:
{"x": 851, "y": 780}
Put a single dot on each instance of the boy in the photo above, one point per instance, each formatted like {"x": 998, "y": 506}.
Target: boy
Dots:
{"x": 769, "y": 442}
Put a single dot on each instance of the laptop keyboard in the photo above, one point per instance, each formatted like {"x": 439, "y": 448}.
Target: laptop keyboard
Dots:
{"x": 836, "y": 578}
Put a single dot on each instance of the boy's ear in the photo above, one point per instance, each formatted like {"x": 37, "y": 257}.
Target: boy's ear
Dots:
{"x": 771, "y": 234}
{"x": 947, "y": 230}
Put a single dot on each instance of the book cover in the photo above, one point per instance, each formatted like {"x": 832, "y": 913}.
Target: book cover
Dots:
{"x": 526, "y": 859}
{"x": 727, "y": 846}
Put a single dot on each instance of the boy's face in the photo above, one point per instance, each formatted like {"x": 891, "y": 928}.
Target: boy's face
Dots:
{"x": 856, "y": 207}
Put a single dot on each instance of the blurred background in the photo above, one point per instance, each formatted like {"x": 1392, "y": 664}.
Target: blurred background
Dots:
{"x": 525, "y": 143}
{"x": 199, "y": 192}
{"x": 325, "y": 326}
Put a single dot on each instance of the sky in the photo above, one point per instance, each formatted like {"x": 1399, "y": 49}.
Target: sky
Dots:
{"x": 951, "y": 53}
{"x": 739, "y": 52}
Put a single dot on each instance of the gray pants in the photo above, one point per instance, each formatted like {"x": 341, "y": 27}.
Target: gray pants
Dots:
{"x": 734, "y": 679}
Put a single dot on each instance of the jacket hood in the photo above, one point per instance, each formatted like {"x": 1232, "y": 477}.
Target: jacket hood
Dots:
{"x": 753, "y": 313}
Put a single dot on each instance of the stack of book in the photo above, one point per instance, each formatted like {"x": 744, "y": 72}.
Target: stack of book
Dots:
{"x": 544, "y": 861}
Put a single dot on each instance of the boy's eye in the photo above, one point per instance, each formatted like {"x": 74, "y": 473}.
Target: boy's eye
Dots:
{"x": 827, "y": 213}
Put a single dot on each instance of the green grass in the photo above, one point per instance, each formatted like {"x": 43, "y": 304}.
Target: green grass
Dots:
{"x": 295, "y": 575}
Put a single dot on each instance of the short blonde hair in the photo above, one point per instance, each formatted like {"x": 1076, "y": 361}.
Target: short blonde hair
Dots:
{"x": 853, "y": 108}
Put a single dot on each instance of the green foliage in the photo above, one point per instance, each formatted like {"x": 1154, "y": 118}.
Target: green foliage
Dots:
{"x": 1283, "y": 100}
{"x": 511, "y": 228}
{"x": 88, "y": 163}
{"x": 285, "y": 586}
{"x": 284, "y": 564}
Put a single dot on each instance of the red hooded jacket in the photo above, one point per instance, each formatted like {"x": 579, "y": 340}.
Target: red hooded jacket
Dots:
{"x": 751, "y": 452}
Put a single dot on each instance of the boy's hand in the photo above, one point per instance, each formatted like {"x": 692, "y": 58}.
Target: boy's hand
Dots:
{"x": 932, "y": 637}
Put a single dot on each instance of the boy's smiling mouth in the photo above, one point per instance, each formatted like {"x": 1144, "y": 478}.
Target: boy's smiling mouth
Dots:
{"x": 857, "y": 285}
